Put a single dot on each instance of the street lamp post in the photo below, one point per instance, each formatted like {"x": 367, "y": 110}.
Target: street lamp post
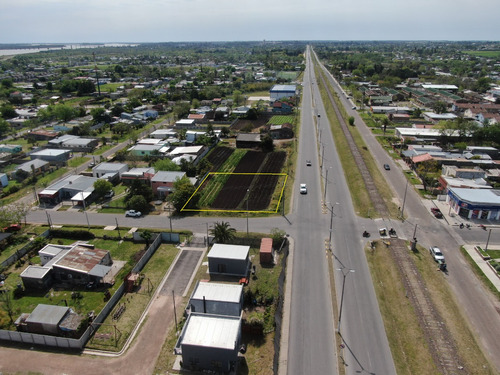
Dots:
{"x": 344, "y": 274}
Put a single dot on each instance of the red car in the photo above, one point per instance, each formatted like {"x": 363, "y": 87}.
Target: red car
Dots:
{"x": 12, "y": 228}
{"x": 437, "y": 212}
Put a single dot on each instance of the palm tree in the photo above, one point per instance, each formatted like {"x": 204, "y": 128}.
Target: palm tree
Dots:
{"x": 223, "y": 232}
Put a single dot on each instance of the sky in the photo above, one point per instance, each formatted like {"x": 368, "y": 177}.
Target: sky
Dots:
{"x": 136, "y": 21}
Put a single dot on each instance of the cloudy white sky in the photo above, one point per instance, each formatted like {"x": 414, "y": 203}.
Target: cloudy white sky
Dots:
{"x": 64, "y": 21}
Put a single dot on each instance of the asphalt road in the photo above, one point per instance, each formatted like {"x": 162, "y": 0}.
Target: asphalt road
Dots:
{"x": 311, "y": 335}
{"x": 366, "y": 349}
{"x": 477, "y": 304}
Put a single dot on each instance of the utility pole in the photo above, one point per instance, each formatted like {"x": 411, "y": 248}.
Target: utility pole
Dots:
{"x": 344, "y": 274}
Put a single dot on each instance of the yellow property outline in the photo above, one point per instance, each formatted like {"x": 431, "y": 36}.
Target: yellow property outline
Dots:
{"x": 230, "y": 173}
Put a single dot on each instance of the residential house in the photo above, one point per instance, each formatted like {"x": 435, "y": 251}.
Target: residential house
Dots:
{"x": 11, "y": 149}
{"x": 35, "y": 166}
{"x": 142, "y": 174}
{"x": 162, "y": 182}
{"x": 53, "y": 156}
{"x": 145, "y": 150}
{"x": 280, "y": 107}
{"x": 185, "y": 124}
{"x": 110, "y": 171}
{"x": 41, "y": 135}
{"x": 76, "y": 188}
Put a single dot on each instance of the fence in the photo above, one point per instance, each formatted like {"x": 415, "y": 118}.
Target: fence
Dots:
{"x": 278, "y": 314}
{"x": 71, "y": 343}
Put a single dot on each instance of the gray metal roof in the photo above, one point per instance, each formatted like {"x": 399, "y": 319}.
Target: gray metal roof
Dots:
{"x": 47, "y": 314}
{"x": 218, "y": 292}
{"x": 212, "y": 331}
{"x": 229, "y": 251}
{"x": 50, "y": 152}
{"x": 35, "y": 272}
{"x": 478, "y": 196}
{"x": 167, "y": 176}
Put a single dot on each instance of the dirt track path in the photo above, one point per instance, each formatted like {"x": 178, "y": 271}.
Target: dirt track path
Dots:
{"x": 140, "y": 358}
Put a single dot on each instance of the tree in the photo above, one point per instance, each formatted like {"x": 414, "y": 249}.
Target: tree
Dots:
{"x": 8, "y": 111}
{"x": 100, "y": 115}
{"x": 166, "y": 165}
{"x": 64, "y": 112}
{"x": 267, "y": 144}
{"x": 101, "y": 187}
{"x": 4, "y": 127}
{"x": 351, "y": 120}
{"x": 138, "y": 203}
{"x": 223, "y": 232}
{"x": 277, "y": 235}
{"x": 426, "y": 170}
{"x": 439, "y": 107}
{"x": 146, "y": 236}
{"x": 139, "y": 188}
{"x": 183, "y": 191}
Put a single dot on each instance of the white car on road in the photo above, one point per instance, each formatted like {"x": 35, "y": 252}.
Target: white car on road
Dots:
{"x": 436, "y": 254}
{"x": 303, "y": 189}
{"x": 133, "y": 213}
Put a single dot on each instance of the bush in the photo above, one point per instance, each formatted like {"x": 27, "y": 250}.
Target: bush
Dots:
{"x": 72, "y": 234}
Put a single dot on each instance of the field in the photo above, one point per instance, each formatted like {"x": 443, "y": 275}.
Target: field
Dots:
{"x": 250, "y": 186}
{"x": 280, "y": 120}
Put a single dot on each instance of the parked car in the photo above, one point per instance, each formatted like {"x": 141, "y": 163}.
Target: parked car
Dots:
{"x": 303, "y": 189}
{"x": 436, "y": 254}
{"x": 133, "y": 213}
{"x": 387, "y": 167}
{"x": 12, "y": 228}
{"x": 109, "y": 194}
{"x": 437, "y": 212}
{"x": 354, "y": 107}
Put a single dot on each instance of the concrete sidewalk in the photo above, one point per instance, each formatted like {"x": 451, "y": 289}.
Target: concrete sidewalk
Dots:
{"x": 485, "y": 267}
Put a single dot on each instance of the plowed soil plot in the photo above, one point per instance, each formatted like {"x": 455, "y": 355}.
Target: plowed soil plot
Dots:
{"x": 235, "y": 188}
{"x": 233, "y": 192}
{"x": 218, "y": 156}
{"x": 264, "y": 185}
{"x": 250, "y": 163}
{"x": 261, "y": 187}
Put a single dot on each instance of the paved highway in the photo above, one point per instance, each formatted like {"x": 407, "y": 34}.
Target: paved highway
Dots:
{"x": 478, "y": 305}
{"x": 366, "y": 349}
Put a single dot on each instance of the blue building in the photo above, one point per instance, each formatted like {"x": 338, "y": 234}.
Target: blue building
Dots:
{"x": 475, "y": 203}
